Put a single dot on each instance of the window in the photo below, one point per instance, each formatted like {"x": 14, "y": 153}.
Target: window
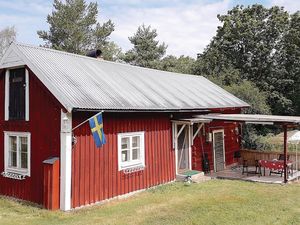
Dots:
{"x": 131, "y": 150}
{"x": 17, "y": 152}
{"x": 16, "y": 95}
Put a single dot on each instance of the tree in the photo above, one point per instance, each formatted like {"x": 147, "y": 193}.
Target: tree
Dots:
{"x": 292, "y": 55}
{"x": 74, "y": 27}
{"x": 111, "y": 51}
{"x": 248, "y": 92}
{"x": 146, "y": 51}
{"x": 251, "y": 41}
{"x": 182, "y": 64}
{"x": 7, "y": 36}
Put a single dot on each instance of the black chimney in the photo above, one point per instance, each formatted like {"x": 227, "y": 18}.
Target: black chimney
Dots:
{"x": 94, "y": 53}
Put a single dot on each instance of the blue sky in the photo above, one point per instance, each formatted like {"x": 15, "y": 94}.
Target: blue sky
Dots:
{"x": 186, "y": 26}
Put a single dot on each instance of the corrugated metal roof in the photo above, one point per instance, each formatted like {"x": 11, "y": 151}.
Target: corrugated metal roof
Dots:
{"x": 87, "y": 83}
{"x": 253, "y": 118}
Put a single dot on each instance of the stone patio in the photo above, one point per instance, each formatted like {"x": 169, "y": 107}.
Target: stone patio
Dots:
{"x": 235, "y": 173}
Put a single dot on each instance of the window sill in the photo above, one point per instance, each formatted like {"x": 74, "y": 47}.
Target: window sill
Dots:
{"x": 132, "y": 168}
{"x": 13, "y": 175}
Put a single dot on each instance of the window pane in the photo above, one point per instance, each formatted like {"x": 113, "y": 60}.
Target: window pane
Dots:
{"x": 24, "y": 160}
{"x": 135, "y": 154}
{"x": 125, "y": 143}
{"x": 125, "y": 156}
{"x": 136, "y": 141}
{"x": 23, "y": 144}
{"x": 24, "y": 150}
{"x": 12, "y": 161}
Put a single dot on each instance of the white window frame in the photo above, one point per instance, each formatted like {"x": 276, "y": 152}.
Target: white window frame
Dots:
{"x": 6, "y": 116}
{"x": 133, "y": 163}
{"x": 18, "y": 170}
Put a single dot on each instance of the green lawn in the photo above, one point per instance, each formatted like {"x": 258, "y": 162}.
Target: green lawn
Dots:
{"x": 212, "y": 202}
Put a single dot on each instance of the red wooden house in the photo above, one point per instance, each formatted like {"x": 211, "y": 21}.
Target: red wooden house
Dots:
{"x": 148, "y": 116}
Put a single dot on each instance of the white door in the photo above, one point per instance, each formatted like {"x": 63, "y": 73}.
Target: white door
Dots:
{"x": 219, "y": 150}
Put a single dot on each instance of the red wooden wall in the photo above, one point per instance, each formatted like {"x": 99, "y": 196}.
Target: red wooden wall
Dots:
{"x": 95, "y": 174}
{"x": 44, "y": 126}
{"x": 231, "y": 140}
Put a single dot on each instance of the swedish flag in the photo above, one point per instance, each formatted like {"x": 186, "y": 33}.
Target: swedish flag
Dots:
{"x": 96, "y": 124}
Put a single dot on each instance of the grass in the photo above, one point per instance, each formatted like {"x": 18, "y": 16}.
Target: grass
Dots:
{"x": 212, "y": 202}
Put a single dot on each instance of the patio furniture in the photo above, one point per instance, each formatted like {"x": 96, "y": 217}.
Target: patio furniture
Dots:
{"x": 251, "y": 163}
{"x": 238, "y": 157}
{"x": 281, "y": 157}
{"x": 275, "y": 166}
{"x": 290, "y": 168}
{"x": 205, "y": 164}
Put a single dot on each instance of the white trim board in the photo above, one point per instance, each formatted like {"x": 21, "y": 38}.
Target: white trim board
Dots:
{"x": 6, "y": 116}
{"x": 65, "y": 161}
{"x": 26, "y": 95}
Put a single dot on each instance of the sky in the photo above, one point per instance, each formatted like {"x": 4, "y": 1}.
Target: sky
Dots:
{"x": 186, "y": 26}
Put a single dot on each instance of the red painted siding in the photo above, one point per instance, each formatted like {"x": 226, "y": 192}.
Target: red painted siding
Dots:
{"x": 231, "y": 140}
{"x": 44, "y": 126}
{"x": 95, "y": 174}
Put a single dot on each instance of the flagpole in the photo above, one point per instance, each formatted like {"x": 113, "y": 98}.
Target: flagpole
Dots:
{"x": 87, "y": 120}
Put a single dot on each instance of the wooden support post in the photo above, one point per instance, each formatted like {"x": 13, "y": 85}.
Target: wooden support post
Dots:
{"x": 285, "y": 154}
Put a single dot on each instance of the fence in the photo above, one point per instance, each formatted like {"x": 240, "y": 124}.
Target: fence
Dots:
{"x": 252, "y": 155}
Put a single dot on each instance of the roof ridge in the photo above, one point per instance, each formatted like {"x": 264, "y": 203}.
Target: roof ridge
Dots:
{"x": 78, "y": 82}
{"x": 101, "y": 61}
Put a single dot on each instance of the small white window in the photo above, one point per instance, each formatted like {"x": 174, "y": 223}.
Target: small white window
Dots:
{"x": 131, "y": 150}
{"x": 17, "y": 152}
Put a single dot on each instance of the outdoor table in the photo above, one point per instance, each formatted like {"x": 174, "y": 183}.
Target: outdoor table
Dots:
{"x": 274, "y": 165}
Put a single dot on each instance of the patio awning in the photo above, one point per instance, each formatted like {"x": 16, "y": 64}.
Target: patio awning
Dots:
{"x": 284, "y": 121}
{"x": 254, "y": 118}
{"x": 191, "y": 121}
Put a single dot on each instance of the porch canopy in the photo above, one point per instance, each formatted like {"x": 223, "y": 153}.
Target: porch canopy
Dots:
{"x": 284, "y": 121}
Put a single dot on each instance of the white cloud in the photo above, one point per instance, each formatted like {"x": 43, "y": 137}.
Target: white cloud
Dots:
{"x": 186, "y": 28}
{"x": 290, "y": 5}
{"x": 26, "y": 6}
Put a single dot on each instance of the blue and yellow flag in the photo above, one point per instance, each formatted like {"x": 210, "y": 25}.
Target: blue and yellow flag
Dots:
{"x": 96, "y": 124}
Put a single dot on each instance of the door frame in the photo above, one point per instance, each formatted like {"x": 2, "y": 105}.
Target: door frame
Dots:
{"x": 175, "y": 142}
{"x": 214, "y": 152}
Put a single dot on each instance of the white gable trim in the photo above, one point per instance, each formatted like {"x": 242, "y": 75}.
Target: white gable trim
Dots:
{"x": 24, "y": 61}
{"x": 11, "y": 59}
{"x": 26, "y": 95}
{"x": 6, "y": 113}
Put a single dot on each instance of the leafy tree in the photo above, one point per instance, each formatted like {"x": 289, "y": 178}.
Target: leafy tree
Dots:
{"x": 146, "y": 51}
{"x": 7, "y": 36}
{"x": 248, "y": 92}
{"x": 182, "y": 64}
{"x": 292, "y": 64}
{"x": 111, "y": 51}
{"x": 250, "y": 40}
{"x": 74, "y": 27}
